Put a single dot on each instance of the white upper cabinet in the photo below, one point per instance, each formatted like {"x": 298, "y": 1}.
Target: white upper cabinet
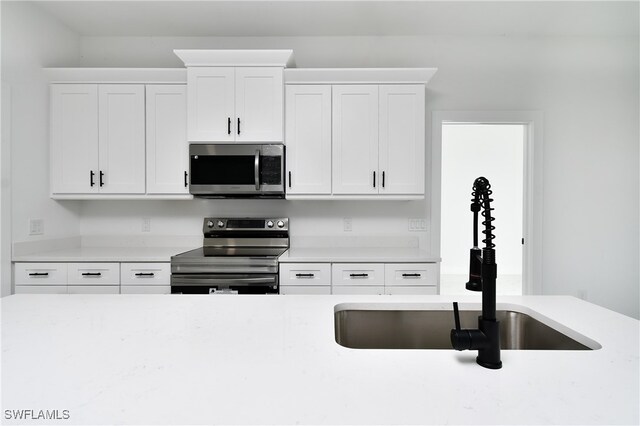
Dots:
{"x": 167, "y": 147}
{"x": 74, "y": 138}
{"x": 308, "y": 139}
{"x": 242, "y": 104}
{"x": 402, "y": 144}
{"x": 355, "y": 139}
{"x": 121, "y": 138}
{"x": 211, "y": 104}
{"x": 97, "y": 139}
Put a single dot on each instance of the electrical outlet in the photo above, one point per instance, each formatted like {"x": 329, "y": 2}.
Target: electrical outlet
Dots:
{"x": 146, "y": 224}
{"x": 347, "y": 224}
{"x": 36, "y": 226}
{"x": 418, "y": 224}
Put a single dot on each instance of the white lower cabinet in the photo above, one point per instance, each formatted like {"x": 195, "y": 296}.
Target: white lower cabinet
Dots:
{"x": 305, "y": 278}
{"x": 145, "y": 278}
{"x": 92, "y": 278}
{"x": 41, "y": 289}
{"x": 359, "y": 278}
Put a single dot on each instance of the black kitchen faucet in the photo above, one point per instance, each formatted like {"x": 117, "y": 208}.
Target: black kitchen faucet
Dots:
{"x": 482, "y": 277}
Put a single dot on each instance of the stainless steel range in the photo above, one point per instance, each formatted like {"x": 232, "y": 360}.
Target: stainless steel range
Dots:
{"x": 239, "y": 256}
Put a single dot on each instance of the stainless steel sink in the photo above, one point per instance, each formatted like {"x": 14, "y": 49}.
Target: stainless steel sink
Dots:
{"x": 430, "y": 329}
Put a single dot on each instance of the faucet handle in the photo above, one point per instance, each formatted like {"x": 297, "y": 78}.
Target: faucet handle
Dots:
{"x": 456, "y": 315}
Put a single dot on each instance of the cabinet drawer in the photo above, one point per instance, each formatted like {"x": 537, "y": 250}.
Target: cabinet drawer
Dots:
{"x": 303, "y": 274}
{"x": 93, "y": 274}
{"x": 358, "y": 289}
{"x": 411, "y": 274}
{"x": 41, "y": 274}
{"x": 140, "y": 274}
{"x": 408, "y": 290}
{"x": 356, "y": 274}
{"x": 41, "y": 289}
{"x": 94, "y": 289}
{"x": 305, "y": 289}
{"x": 145, "y": 289}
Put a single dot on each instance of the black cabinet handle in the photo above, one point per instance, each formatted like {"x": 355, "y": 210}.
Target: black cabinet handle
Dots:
{"x": 91, "y": 175}
{"x": 186, "y": 181}
{"x": 374, "y": 179}
{"x": 39, "y": 274}
{"x": 305, "y": 275}
{"x": 412, "y": 275}
{"x": 92, "y": 274}
{"x": 101, "y": 177}
{"x": 238, "y": 125}
{"x": 359, "y": 275}
{"x": 145, "y": 274}
{"x": 383, "y": 179}
{"x": 229, "y": 125}
{"x": 289, "y": 179}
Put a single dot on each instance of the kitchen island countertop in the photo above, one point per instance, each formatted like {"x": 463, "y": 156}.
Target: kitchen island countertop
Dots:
{"x": 168, "y": 359}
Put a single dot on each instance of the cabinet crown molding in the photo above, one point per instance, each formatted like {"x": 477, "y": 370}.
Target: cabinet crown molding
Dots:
{"x": 359, "y": 75}
{"x": 236, "y": 58}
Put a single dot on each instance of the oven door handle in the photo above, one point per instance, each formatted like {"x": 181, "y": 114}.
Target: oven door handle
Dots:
{"x": 203, "y": 280}
{"x": 256, "y": 169}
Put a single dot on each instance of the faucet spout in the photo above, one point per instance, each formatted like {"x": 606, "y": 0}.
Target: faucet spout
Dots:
{"x": 482, "y": 277}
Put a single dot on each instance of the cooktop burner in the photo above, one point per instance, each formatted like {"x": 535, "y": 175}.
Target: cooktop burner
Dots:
{"x": 233, "y": 251}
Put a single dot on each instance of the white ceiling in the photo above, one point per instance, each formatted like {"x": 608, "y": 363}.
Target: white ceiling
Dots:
{"x": 345, "y": 18}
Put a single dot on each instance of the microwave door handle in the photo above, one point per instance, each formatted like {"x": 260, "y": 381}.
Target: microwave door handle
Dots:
{"x": 256, "y": 170}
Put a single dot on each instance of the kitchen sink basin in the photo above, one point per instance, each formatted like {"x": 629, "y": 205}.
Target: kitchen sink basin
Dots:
{"x": 430, "y": 329}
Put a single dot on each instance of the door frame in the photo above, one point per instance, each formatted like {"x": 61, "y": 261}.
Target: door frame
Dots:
{"x": 533, "y": 183}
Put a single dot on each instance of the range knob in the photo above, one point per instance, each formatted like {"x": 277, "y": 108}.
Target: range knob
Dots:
{"x": 280, "y": 224}
{"x": 210, "y": 224}
{"x": 270, "y": 224}
{"x": 220, "y": 224}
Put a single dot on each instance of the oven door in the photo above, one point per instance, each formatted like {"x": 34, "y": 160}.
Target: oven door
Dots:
{"x": 236, "y": 170}
{"x": 224, "y": 284}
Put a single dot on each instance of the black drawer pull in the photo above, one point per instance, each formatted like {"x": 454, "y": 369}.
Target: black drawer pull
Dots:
{"x": 383, "y": 179}
{"x": 412, "y": 275}
{"x": 229, "y": 125}
{"x": 374, "y": 179}
{"x": 145, "y": 274}
{"x": 101, "y": 178}
{"x": 92, "y": 274}
{"x": 39, "y": 274}
{"x": 91, "y": 175}
{"x": 238, "y": 125}
{"x": 186, "y": 180}
{"x": 359, "y": 275}
{"x": 305, "y": 275}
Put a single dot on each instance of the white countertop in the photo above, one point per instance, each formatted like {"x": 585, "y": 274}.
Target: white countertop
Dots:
{"x": 356, "y": 254}
{"x": 163, "y": 359}
{"x": 104, "y": 254}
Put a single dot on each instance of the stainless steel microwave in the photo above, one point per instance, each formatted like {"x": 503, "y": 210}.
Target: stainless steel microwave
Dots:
{"x": 236, "y": 170}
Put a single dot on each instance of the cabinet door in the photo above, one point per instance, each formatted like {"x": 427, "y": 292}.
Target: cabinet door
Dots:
{"x": 308, "y": 139}
{"x": 167, "y": 147}
{"x": 74, "y": 138}
{"x": 121, "y": 138}
{"x": 355, "y": 139}
{"x": 210, "y": 104}
{"x": 259, "y": 104}
{"x": 402, "y": 144}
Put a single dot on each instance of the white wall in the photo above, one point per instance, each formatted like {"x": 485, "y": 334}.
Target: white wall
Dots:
{"x": 495, "y": 152}
{"x": 31, "y": 39}
{"x": 587, "y": 88}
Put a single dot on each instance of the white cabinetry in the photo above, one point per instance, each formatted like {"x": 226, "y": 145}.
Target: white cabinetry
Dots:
{"x": 242, "y": 104}
{"x": 305, "y": 278}
{"x": 308, "y": 139}
{"x": 92, "y": 278}
{"x": 167, "y": 147}
{"x": 121, "y": 141}
{"x": 74, "y": 138}
{"x": 359, "y": 278}
{"x": 377, "y": 141}
{"x": 401, "y": 139}
{"x": 97, "y": 139}
{"x": 355, "y": 139}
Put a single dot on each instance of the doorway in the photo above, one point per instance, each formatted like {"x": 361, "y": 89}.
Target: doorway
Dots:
{"x": 495, "y": 151}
